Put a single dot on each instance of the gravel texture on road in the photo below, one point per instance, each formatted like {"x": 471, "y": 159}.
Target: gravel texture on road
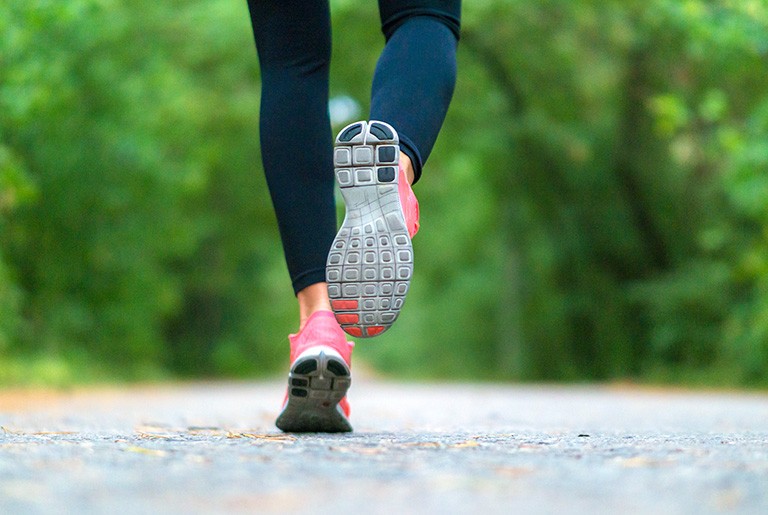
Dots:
{"x": 418, "y": 448}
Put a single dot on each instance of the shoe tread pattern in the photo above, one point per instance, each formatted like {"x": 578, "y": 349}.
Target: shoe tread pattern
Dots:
{"x": 370, "y": 263}
{"x": 316, "y": 384}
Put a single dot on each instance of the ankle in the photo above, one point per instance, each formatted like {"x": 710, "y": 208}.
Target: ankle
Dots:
{"x": 407, "y": 167}
{"x": 312, "y": 299}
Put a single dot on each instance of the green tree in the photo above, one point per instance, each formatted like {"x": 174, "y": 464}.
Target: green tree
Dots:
{"x": 594, "y": 207}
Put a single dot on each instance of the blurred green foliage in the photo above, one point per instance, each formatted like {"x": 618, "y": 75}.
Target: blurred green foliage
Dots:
{"x": 595, "y": 207}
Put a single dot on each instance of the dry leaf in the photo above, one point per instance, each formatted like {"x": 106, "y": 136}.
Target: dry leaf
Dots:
{"x": 368, "y": 451}
{"x": 35, "y": 433}
{"x": 431, "y": 445}
{"x": 155, "y": 436}
{"x": 467, "y": 443}
{"x": 212, "y": 431}
{"x": 264, "y": 437}
{"x": 144, "y": 450}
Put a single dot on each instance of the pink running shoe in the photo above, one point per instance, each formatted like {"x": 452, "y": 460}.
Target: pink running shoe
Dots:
{"x": 370, "y": 263}
{"x": 319, "y": 378}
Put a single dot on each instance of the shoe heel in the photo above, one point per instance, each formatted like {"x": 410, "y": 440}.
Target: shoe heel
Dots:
{"x": 317, "y": 383}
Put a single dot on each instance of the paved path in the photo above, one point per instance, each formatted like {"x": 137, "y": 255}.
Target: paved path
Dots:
{"x": 417, "y": 449}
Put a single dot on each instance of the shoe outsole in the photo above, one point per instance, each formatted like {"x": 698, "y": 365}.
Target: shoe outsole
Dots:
{"x": 318, "y": 380}
{"x": 370, "y": 263}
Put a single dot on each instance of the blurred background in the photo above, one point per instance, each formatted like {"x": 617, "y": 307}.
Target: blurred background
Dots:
{"x": 595, "y": 208}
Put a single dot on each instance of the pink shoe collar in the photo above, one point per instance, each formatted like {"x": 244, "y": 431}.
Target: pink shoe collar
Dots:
{"x": 409, "y": 203}
{"x": 321, "y": 328}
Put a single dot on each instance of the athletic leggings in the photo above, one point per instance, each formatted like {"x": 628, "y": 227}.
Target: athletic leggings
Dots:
{"x": 412, "y": 87}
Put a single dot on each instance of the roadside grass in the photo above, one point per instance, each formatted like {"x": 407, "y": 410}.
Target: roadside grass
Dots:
{"x": 56, "y": 371}
{"x": 61, "y": 371}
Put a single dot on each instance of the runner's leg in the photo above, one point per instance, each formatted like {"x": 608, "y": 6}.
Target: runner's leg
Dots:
{"x": 293, "y": 39}
{"x": 416, "y": 73}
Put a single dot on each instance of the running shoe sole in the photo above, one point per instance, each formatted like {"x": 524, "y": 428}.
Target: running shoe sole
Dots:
{"x": 318, "y": 380}
{"x": 370, "y": 263}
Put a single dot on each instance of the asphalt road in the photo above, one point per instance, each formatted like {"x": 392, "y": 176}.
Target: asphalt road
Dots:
{"x": 428, "y": 448}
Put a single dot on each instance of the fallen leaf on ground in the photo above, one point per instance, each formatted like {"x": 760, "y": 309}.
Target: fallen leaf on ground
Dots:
{"x": 35, "y": 433}
{"x": 262, "y": 437}
{"x": 467, "y": 443}
{"x": 431, "y": 445}
{"x": 155, "y": 436}
{"x": 368, "y": 451}
{"x": 194, "y": 430}
{"x": 144, "y": 450}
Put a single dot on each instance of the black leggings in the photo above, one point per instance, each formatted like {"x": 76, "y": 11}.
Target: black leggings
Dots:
{"x": 412, "y": 87}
